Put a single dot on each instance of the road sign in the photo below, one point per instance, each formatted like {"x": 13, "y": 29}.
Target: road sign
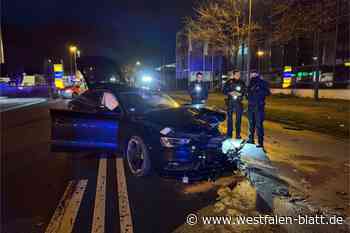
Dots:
{"x": 287, "y": 82}
{"x": 59, "y": 83}
{"x": 57, "y": 68}
{"x": 287, "y": 69}
{"x": 58, "y": 74}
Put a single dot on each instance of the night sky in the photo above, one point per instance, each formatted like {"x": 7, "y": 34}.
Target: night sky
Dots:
{"x": 124, "y": 30}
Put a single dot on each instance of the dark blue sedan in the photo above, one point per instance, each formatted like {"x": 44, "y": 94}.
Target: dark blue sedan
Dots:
{"x": 153, "y": 131}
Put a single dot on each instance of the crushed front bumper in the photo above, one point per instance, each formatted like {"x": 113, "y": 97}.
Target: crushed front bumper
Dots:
{"x": 196, "y": 162}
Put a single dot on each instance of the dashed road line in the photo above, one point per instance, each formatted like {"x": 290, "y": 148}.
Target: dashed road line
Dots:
{"x": 98, "y": 223}
{"x": 66, "y": 212}
{"x": 65, "y": 215}
{"x": 126, "y": 225}
{"x": 56, "y": 219}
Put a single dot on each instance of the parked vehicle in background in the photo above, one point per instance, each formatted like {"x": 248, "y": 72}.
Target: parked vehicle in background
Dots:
{"x": 33, "y": 80}
{"x": 73, "y": 91}
{"x": 329, "y": 76}
{"x": 304, "y": 77}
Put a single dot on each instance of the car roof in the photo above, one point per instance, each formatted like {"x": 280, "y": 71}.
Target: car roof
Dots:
{"x": 120, "y": 88}
{"x": 114, "y": 87}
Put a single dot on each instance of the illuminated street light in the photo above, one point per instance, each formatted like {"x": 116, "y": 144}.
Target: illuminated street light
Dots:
{"x": 138, "y": 63}
{"x": 73, "y": 49}
{"x": 260, "y": 53}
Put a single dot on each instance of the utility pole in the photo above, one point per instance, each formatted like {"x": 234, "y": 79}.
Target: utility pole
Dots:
{"x": 189, "y": 50}
{"x": 336, "y": 36}
{"x": 73, "y": 50}
{"x": 212, "y": 70}
{"x": 2, "y": 60}
{"x": 249, "y": 40}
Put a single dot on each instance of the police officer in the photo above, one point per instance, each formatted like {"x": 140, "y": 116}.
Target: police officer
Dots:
{"x": 235, "y": 90}
{"x": 258, "y": 90}
{"x": 198, "y": 90}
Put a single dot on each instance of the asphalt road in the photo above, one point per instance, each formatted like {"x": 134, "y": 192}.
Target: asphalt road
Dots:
{"x": 7, "y": 104}
{"x": 44, "y": 191}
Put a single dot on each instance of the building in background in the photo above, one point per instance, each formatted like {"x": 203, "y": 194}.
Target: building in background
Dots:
{"x": 167, "y": 76}
{"x": 334, "y": 53}
{"x": 197, "y": 56}
{"x": 270, "y": 58}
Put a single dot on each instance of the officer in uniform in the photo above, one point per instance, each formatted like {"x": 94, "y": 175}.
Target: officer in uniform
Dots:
{"x": 198, "y": 90}
{"x": 235, "y": 90}
{"x": 258, "y": 90}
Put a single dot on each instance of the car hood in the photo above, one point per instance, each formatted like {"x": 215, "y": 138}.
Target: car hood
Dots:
{"x": 186, "y": 120}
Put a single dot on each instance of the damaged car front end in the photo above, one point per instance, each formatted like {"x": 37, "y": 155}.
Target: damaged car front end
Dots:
{"x": 149, "y": 129}
{"x": 195, "y": 154}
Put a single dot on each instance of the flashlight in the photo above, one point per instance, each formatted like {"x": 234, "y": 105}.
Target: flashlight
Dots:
{"x": 198, "y": 88}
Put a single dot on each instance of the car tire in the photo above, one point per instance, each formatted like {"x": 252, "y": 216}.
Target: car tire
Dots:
{"x": 137, "y": 157}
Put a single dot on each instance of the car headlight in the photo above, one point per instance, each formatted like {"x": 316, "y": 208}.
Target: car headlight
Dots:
{"x": 173, "y": 142}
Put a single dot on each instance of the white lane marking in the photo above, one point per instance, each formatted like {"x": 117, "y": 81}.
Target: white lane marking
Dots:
{"x": 17, "y": 101}
{"x": 124, "y": 207}
{"x": 58, "y": 214}
{"x": 66, "y": 212}
{"x": 98, "y": 223}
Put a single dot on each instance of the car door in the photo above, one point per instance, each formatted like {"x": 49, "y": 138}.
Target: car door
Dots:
{"x": 83, "y": 130}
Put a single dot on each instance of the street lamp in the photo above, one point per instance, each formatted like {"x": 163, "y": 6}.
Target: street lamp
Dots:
{"x": 249, "y": 42}
{"x": 260, "y": 54}
{"x": 73, "y": 50}
{"x": 138, "y": 63}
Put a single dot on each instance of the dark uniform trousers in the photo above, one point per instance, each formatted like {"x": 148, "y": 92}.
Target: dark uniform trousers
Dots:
{"x": 256, "y": 116}
{"x": 235, "y": 107}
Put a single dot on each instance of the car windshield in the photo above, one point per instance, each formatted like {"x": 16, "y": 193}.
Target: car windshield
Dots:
{"x": 141, "y": 102}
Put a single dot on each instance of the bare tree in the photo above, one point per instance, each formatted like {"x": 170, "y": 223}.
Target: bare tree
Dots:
{"x": 221, "y": 23}
{"x": 296, "y": 19}
{"x": 301, "y": 18}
